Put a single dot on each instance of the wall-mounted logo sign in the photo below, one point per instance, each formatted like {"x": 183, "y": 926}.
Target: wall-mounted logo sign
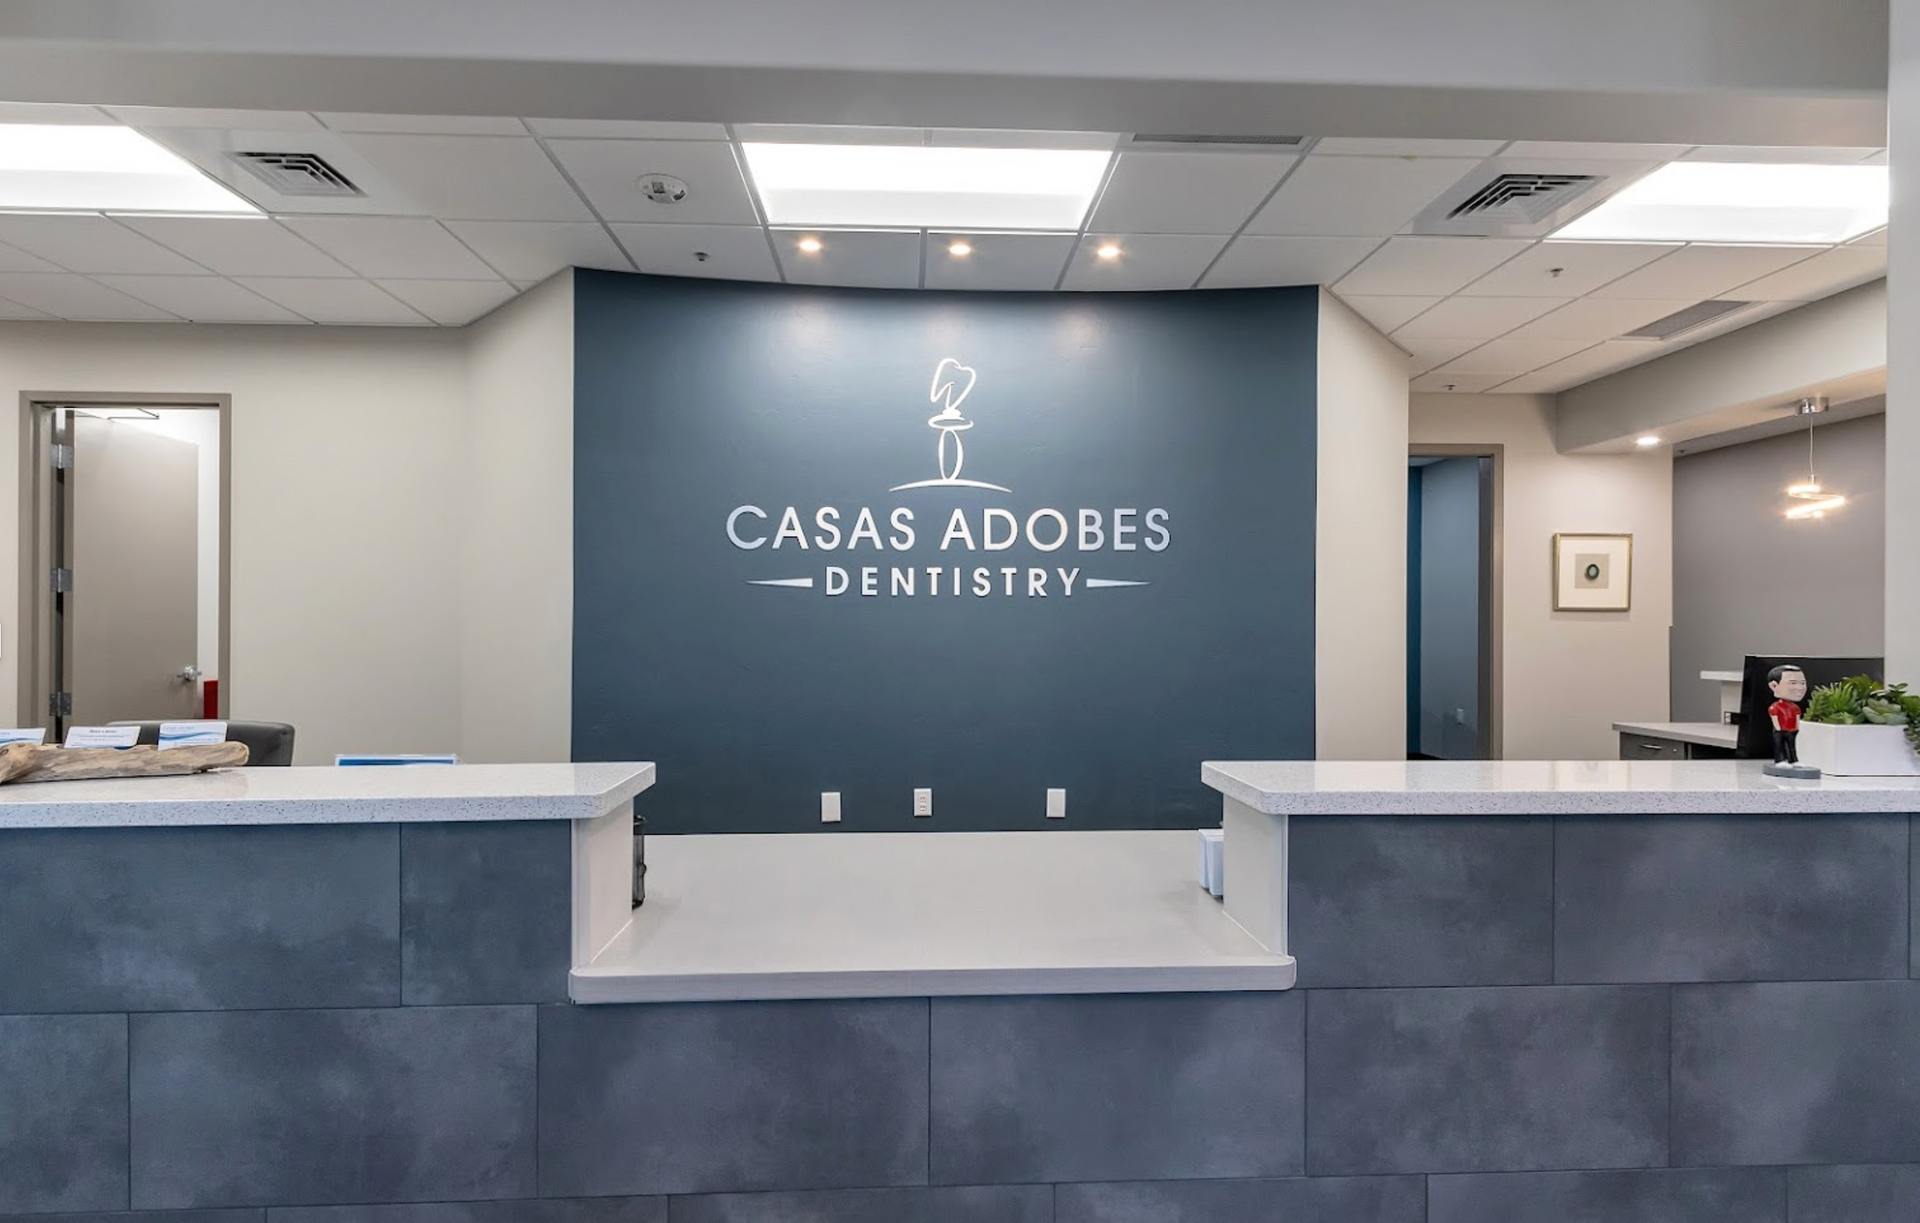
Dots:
{"x": 992, "y": 529}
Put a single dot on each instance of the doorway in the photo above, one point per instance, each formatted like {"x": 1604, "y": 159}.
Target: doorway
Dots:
{"x": 1453, "y": 603}
{"x": 124, "y": 558}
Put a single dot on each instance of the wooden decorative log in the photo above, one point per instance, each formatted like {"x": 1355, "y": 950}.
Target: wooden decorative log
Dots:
{"x": 21, "y": 762}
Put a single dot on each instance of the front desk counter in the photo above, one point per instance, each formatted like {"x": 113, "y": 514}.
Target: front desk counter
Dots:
{"x": 1594, "y": 991}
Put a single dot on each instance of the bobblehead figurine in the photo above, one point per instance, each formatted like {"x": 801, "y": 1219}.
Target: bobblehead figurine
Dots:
{"x": 1789, "y": 687}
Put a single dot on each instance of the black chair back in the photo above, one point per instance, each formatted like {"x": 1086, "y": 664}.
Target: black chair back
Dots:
{"x": 269, "y": 744}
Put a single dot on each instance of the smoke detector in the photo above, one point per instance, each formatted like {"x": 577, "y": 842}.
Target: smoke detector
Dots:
{"x": 663, "y": 188}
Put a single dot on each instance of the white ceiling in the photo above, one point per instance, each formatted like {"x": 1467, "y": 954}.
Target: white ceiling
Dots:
{"x": 462, "y": 212}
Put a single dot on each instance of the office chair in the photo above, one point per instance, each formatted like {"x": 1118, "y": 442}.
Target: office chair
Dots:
{"x": 269, "y": 744}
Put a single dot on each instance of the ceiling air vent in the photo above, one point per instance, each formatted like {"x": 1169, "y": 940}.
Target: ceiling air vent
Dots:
{"x": 1682, "y": 321}
{"x": 302, "y": 174}
{"x": 1525, "y": 199}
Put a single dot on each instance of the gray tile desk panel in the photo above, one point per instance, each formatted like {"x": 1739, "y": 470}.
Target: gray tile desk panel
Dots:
{"x": 118, "y": 919}
{"x": 972, "y": 1204}
{"x": 1480, "y": 1079}
{"x": 551, "y": 1210}
{"x": 321, "y": 1107}
{"x": 1364, "y": 1199}
{"x": 1796, "y": 1073}
{"x": 732, "y": 1097}
{"x": 1882, "y": 1193}
{"x": 1116, "y": 1087}
{"x": 486, "y": 912}
{"x": 1731, "y": 898}
{"x": 1416, "y": 900}
{"x": 1661, "y": 1195}
{"x": 63, "y": 1113}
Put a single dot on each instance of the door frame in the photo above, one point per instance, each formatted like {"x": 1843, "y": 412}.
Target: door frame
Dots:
{"x": 1492, "y": 578}
{"x": 33, "y": 648}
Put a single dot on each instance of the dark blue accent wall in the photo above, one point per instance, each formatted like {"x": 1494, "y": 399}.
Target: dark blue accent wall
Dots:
{"x": 693, "y": 398}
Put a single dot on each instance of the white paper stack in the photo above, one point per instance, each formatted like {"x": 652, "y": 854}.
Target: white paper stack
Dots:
{"x": 1213, "y": 845}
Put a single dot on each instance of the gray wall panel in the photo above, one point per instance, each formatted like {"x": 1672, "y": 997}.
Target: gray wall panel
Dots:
{"x": 972, "y": 1204}
{"x": 732, "y": 1097}
{"x": 1775, "y": 898}
{"x": 1397, "y": 900}
{"x": 1707, "y": 1195}
{"x": 1370, "y": 1199}
{"x": 1116, "y": 1087}
{"x": 1471, "y": 1080}
{"x": 115, "y": 919}
{"x": 1883, "y": 1193}
{"x": 552, "y": 1210}
{"x": 63, "y": 1112}
{"x": 318, "y": 1107}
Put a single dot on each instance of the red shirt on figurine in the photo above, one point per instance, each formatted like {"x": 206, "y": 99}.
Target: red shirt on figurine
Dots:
{"x": 1785, "y": 715}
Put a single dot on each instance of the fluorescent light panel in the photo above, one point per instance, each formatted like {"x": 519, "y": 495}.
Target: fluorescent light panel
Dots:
{"x": 915, "y": 187}
{"x": 60, "y": 167}
{"x": 1746, "y": 204}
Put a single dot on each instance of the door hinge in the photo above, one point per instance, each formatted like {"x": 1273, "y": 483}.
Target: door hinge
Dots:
{"x": 62, "y": 580}
{"x": 62, "y": 457}
{"x": 60, "y": 704}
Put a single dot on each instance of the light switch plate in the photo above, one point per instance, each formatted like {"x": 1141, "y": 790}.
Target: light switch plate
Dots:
{"x": 1056, "y": 804}
{"x": 830, "y": 806}
{"x": 923, "y": 804}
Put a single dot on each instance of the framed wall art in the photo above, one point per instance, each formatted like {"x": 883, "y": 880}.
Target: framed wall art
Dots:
{"x": 1593, "y": 573}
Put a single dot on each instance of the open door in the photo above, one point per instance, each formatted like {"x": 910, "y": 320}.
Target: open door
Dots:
{"x": 126, "y": 598}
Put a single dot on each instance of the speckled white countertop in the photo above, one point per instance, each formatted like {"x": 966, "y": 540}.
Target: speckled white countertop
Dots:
{"x": 1547, "y": 787}
{"x": 372, "y": 795}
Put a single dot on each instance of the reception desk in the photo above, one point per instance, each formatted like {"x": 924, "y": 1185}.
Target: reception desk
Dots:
{"x": 1555, "y": 991}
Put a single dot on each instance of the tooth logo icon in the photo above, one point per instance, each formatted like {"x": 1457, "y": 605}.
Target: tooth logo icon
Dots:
{"x": 952, "y": 383}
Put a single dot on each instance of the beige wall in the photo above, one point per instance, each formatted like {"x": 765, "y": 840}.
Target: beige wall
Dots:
{"x": 1568, "y": 676}
{"x": 516, "y": 644}
{"x": 348, "y": 457}
{"x": 1360, "y": 570}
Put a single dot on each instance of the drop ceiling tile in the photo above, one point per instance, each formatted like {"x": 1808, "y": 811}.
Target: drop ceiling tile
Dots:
{"x": 1427, "y": 267}
{"x": 1821, "y": 276}
{"x": 202, "y": 299}
{"x": 1424, "y": 355}
{"x": 627, "y": 129}
{"x": 239, "y": 246}
{"x": 53, "y": 112}
{"x": 869, "y": 259}
{"x": 608, "y": 171}
{"x": 425, "y": 125}
{"x": 91, "y": 244}
{"x": 1510, "y": 356}
{"x": 1779, "y": 155}
{"x": 1877, "y": 238}
{"x": 1475, "y": 318}
{"x": 1584, "y": 366}
{"x": 1462, "y": 384}
{"x": 1252, "y": 261}
{"x": 535, "y": 250}
{"x": 1594, "y": 319}
{"x": 1147, "y": 261}
{"x": 1186, "y": 193}
{"x": 1388, "y": 313}
{"x": 77, "y": 298}
{"x": 734, "y": 252}
{"x": 810, "y": 133}
{"x": 1732, "y": 322}
{"x": 454, "y": 303}
{"x": 474, "y": 178}
{"x": 998, "y": 138}
{"x": 1877, "y": 158}
{"x": 13, "y": 259}
{"x": 399, "y": 248}
{"x": 1550, "y": 150}
{"x": 1370, "y": 196}
{"x": 182, "y": 116}
{"x": 15, "y": 311}
{"x": 1582, "y": 267}
{"x": 1023, "y": 262}
{"x": 1360, "y": 146}
{"x": 1696, "y": 273}
{"x": 351, "y": 302}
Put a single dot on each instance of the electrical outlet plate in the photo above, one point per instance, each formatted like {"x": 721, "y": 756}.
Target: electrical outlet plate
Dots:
{"x": 830, "y": 806}
{"x": 1056, "y": 804}
{"x": 923, "y": 804}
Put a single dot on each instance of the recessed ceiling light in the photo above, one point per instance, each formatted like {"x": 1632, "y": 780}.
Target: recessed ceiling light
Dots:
{"x": 809, "y": 246}
{"x": 916, "y": 187}
{"x": 1648, "y": 440}
{"x": 54, "y": 167}
{"x": 960, "y": 250}
{"x": 1108, "y": 250}
{"x": 1710, "y": 202}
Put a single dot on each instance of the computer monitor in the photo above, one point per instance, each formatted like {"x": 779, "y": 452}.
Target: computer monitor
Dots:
{"x": 1756, "y": 729}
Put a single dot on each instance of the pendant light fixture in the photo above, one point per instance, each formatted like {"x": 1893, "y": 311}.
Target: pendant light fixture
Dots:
{"x": 1808, "y": 498}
